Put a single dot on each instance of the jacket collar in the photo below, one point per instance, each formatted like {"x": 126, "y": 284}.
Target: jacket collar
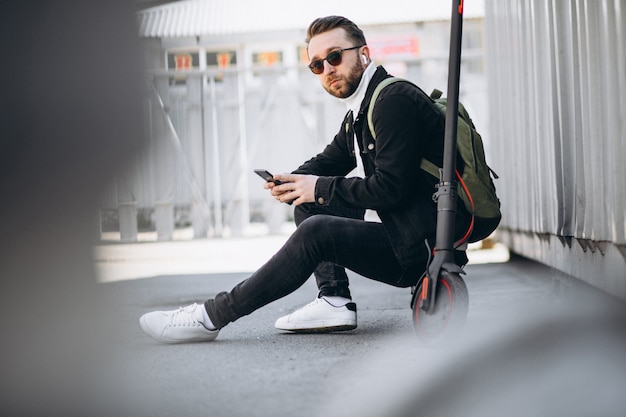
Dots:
{"x": 380, "y": 74}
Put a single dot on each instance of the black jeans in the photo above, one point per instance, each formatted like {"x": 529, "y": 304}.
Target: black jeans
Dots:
{"x": 331, "y": 278}
{"x": 324, "y": 244}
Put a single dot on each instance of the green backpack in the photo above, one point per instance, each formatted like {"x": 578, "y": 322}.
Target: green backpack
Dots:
{"x": 477, "y": 191}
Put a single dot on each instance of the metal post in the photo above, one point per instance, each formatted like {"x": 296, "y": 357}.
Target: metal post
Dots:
{"x": 215, "y": 163}
{"x": 447, "y": 188}
{"x": 242, "y": 199}
{"x": 446, "y": 203}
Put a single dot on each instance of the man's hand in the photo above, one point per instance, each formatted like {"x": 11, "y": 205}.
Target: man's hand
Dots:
{"x": 295, "y": 188}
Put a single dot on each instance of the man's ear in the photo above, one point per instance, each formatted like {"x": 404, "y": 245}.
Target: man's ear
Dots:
{"x": 365, "y": 54}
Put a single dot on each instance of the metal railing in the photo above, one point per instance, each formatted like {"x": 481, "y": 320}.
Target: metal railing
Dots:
{"x": 209, "y": 129}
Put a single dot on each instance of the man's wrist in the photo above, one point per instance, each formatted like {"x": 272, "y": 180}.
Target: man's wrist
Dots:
{"x": 322, "y": 190}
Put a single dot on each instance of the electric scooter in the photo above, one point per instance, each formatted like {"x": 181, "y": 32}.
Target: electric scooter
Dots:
{"x": 440, "y": 300}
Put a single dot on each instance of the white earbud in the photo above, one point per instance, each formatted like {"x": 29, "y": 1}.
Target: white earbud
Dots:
{"x": 364, "y": 59}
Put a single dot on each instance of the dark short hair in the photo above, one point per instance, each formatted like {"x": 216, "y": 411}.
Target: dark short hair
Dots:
{"x": 324, "y": 24}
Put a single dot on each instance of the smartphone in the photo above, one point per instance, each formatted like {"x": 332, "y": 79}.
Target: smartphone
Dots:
{"x": 266, "y": 176}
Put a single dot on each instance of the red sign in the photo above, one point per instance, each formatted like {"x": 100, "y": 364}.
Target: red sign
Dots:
{"x": 268, "y": 59}
{"x": 223, "y": 59}
{"x": 382, "y": 48}
{"x": 183, "y": 62}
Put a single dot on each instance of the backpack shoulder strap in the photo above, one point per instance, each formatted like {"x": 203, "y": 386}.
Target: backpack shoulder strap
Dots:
{"x": 425, "y": 164}
{"x": 431, "y": 168}
{"x": 370, "y": 111}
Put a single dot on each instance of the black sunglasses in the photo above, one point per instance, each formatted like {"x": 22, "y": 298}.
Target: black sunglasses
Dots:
{"x": 334, "y": 58}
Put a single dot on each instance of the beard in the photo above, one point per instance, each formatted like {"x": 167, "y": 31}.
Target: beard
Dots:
{"x": 351, "y": 82}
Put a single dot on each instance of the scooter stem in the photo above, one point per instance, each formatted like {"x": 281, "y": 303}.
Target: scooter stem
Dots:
{"x": 446, "y": 195}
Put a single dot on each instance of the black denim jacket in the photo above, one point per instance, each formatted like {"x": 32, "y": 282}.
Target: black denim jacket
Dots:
{"x": 408, "y": 127}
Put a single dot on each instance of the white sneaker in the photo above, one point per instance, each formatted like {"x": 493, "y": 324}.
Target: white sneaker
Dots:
{"x": 177, "y": 326}
{"x": 319, "y": 316}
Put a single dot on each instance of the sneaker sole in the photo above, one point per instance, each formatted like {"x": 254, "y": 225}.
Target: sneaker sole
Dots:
{"x": 321, "y": 329}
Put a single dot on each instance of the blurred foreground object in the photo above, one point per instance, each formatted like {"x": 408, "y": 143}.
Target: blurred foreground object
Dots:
{"x": 566, "y": 359}
{"x": 70, "y": 119}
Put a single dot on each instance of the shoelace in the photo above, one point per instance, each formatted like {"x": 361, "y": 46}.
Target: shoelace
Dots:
{"x": 184, "y": 316}
{"x": 312, "y": 303}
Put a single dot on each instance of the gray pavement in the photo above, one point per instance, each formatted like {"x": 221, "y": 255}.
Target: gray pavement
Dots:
{"x": 254, "y": 370}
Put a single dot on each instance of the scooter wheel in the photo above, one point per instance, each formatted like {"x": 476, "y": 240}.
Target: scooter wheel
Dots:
{"x": 444, "y": 323}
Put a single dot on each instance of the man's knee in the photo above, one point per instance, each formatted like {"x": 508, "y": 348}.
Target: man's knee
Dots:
{"x": 304, "y": 211}
{"x": 318, "y": 230}
{"x": 313, "y": 224}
